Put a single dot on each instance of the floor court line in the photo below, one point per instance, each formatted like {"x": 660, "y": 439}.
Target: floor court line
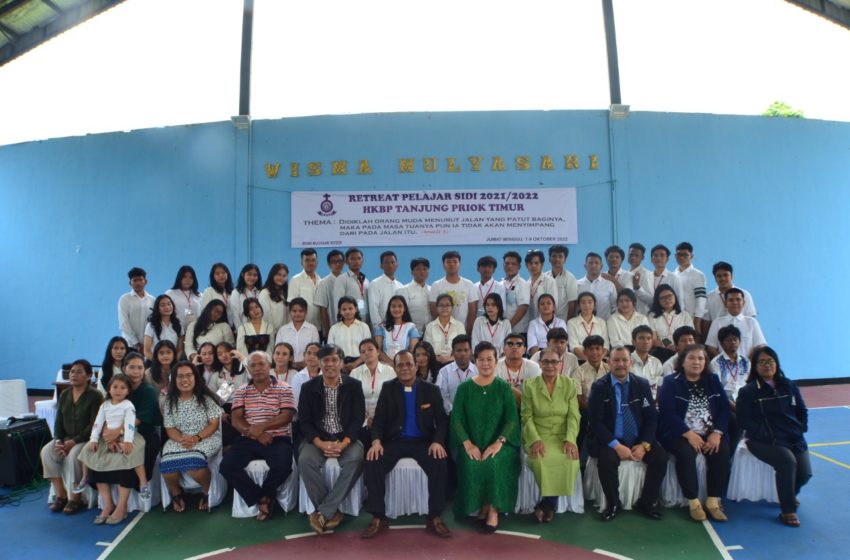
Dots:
{"x": 831, "y": 460}
{"x": 121, "y": 536}
{"x": 829, "y": 444}
{"x": 611, "y": 554}
{"x": 212, "y": 553}
{"x": 718, "y": 543}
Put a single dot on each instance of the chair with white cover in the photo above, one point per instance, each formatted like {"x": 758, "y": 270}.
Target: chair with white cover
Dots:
{"x": 218, "y": 485}
{"x": 528, "y": 494}
{"x": 631, "y": 475}
{"x": 407, "y": 489}
{"x": 287, "y": 494}
{"x": 671, "y": 492}
{"x": 751, "y": 478}
{"x": 47, "y": 408}
{"x": 350, "y": 505}
{"x": 13, "y": 398}
{"x": 135, "y": 503}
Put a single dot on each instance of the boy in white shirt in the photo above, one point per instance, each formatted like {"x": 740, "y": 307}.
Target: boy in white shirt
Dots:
{"x": 324, "y": 291}
{"x": 715, "y": 301}
{"x": 134, "y": 308}
{"x": 557, "y": 340}
{"x": 659, "y": 255}
{"x": 539, "y": 283}
{"x": 382, "y": 289}
{"x": 733, "y": 370}
{"x": 353, "y": 284}
{"x": 621, "y": 278}
{"x": 463, "y": 292}
{"x": 749, "y": 328}
{"x": 641, "y": 278}
{"x": 517, "y": 294}
{"x": 455, "y": 373}
{"x": 417, "y": 293}
{"x": 692, "y": 282}
{"x": 487, "y": 284}
{"x": 645, "y": 364}
{"x": 298, "y": 332}
{"x": 304, "y": 285}
{"x": 564, "y": 280}
{"x": 682, "y": 338}
{"x": 593, "y": 282}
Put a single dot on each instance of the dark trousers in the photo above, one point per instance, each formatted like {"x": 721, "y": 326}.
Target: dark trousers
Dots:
{"x": 375, "y": 475}
{"x": 278, "y": 456}
{"x": 793, "y": 470}
{"x": 734, "y": 432}
{"x": 608, "y": 464}
{"x": 717, "y": 468}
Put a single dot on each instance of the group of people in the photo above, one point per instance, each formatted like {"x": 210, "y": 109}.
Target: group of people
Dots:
{"x": 623, "y": 365}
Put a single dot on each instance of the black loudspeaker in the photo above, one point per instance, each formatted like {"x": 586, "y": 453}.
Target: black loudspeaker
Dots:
{"x": 20, "y": 450}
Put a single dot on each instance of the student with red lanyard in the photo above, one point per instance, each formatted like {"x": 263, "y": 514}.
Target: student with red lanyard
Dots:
{"x": 492, "y": 327}
{"x": 461, "y": 369}
{"x": 221, "y": 284}
{"x": 282, "y": 358}
{"x": 517, "y": 294}
{"x": 515, "y": 369}
{"x": 539, "y": 284}
{"x": 186, "y": 297}
{"x": 440, "y": 332}
{"x": 543, "y": 323}
{"x": 585, "y": 324}
{"x": 397, "y": 332}
{"x": 487, "y": 284}
{"x": 248, "y": 286}
{"x": 353, "y": 283}
{"x": 372, "y": 375}
{"x": 463, "y": 292}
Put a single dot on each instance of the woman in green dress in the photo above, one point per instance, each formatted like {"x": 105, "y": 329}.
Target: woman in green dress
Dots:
{"x": 550, "y": 419}
{"x": 485, "y": 434}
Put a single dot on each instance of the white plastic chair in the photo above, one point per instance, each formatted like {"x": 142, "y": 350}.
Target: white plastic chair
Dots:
{"x": 47, "y": 408}
{"x": 631, "y": 476}
{"x": 407, "y": 489}
{"x": 218, "y": 485}
{"x": 13, "y": 398}
{"x": 350, "y": 505}
{"x": 751, "y": 478}
{"x": 528, "y": 493}
{"x": 671, "y": 492}
{"x": 287, "y": 494}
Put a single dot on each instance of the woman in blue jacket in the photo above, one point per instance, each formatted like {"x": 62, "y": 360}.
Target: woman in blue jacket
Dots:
{"x": 694, "y": 417}
{"x": 773, "y": 416}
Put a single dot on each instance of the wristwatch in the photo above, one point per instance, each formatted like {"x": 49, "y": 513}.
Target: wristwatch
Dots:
{"x": 200, "y": 438}
{"x": 646, "y": 446}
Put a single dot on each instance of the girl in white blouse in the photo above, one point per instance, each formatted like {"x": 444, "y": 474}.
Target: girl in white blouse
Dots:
{"x": 211, "y": 326}
{"x": 255, "y": 333}
{"x": 283, "y": 360}
{"x": 185, "y": 295}
{"x": 397, "y": 332}
{"x": 221, "y": 284}
{"x": 492, "y": 327}
{"x": 441, "y": 331}
{"x": 625, "y": 320}
{"x": 348, "y": 331}
{"x": 543, "y": 323}
{"x": 163, "y": 324}
{"x": 247, "y": 286}
{"x": 273, "y": 296}
{"x": 665, "y": 316}
{"x": 205, "y": 360}
{"x": 584, "y": 324}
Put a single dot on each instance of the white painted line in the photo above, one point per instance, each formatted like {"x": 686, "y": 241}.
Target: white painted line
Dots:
{"x": 518, "y": 534}
{"x": 101, "y": 543}
{"x": 407, "y": 526}
{"x": 121, "y": 536}
{"x": 302, "y": 535}
{"x": 715, "y": 538}
{"x": 213, "y": 553}
{"x": 611, "y": 554}
{"x": 827, "y": 407}
{"x": 735, "y": 547}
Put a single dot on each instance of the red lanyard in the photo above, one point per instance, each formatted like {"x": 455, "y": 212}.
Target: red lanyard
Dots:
{"x": 359, "y": 284}
{"x": 734, "y": 373}
{"x": 533, "y": 289}
{"x": 188, "y": 296}
{"x": 513, "y": 381}
{"x": 493, "y": 331}
{"x": 481, "y": 296}
{"x": 394, "y": 335}
{"x": 584, "y": 325}
{"x": 465, "y": 375}
{"x": 445, "y": 331}
{"x": 374, "y": 376}
{"x": 670, "y": 322}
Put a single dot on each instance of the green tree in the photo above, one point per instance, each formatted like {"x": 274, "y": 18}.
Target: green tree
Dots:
{"x": 780, "y": 109}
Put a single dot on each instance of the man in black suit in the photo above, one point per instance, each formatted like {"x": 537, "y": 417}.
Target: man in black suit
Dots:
{"x": 623, "y": 421}
{"x": 410, "y": 421}
{"x": 331, "y": 410}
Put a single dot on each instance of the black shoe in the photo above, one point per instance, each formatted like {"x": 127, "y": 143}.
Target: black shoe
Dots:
{"x": 611, "y": 511}
{"x": 652, "y": 511}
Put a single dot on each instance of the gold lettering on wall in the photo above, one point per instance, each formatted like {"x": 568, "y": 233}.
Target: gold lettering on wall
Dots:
{"x": 571, "y": 161}
{"x": 546, "y": 164}
{"x": 452, "y": 166}
{"x": 430, "y": 164}
{"x": 522, "y": 163}
{"x": 314, "y": 168}
{"x": 293, "y": 169}
{"x": 498, "y": 164}
{"x": 405, "y": 165}
{"x": 594, "y": 162}
{"x": 272, "y": 170}
{"x": 339, "y": 167}
{"x": 365, "y": 168}
{"x": 475, "y": 162}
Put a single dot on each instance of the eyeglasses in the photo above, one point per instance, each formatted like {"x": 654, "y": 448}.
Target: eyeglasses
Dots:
{"x": 549, "y": 362}
{"x": 767, "y": 362}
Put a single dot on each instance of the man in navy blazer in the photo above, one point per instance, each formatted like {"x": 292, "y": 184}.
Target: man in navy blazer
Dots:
{"x": 623, "y": 421}
{"x": 410, "y": 421}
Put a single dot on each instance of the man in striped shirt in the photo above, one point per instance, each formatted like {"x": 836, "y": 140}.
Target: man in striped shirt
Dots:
{"x": 262, "y": 413}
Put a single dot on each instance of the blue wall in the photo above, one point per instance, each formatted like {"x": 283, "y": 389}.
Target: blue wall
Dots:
{"x": 767, "y": 195}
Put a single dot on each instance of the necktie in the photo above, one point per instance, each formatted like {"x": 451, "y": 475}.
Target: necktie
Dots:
{"x": 630, "y": 429}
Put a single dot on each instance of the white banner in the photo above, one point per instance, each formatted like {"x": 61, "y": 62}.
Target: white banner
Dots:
{"x": 434, "y": 217}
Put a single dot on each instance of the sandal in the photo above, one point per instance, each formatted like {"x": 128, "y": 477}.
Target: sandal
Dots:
{"x": 789, "y": 519}
{"x": 204, "y": 504}
{"x": 72, "y": 507}
{"x": 58, "y": 505}
{"x": 178, "y": 504}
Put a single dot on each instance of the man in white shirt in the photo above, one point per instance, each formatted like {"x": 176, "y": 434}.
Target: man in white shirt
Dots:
{"x": 617, "y": 275}
{"x": 455, "y": 373}
{"x": 751, "y": 334}
{"x": 604, "y": 290}
{"x": 682, "y": 337}
{"x": 539, "y": 283}
{"x": 645, "y": 364}
{"x": 557, "y": 340}
{"x": 715, "y": 302}
{"x": 134, "y": 308}
{"x": 517, "y": 294}
{"x": 324, "y": 291}
{"x": 304, "y": 285}
{"x": 463, "y": 292}
{"x": 513, "y": 368}
{"x": 353, "y": 284}
{"x": 383, "y": 288}
{"x": 564, "y": 280}
{"x": 417, "y": 293}
{"x": 692, "y": 282}
{"x": 641, "y": 278}
{"x": 487, "y": 284}
{"x": 660, "y": 255}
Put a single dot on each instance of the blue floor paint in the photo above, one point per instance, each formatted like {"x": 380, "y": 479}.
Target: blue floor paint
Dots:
{"x": 823, "y": 516}
{"x": 32, "y": 532}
